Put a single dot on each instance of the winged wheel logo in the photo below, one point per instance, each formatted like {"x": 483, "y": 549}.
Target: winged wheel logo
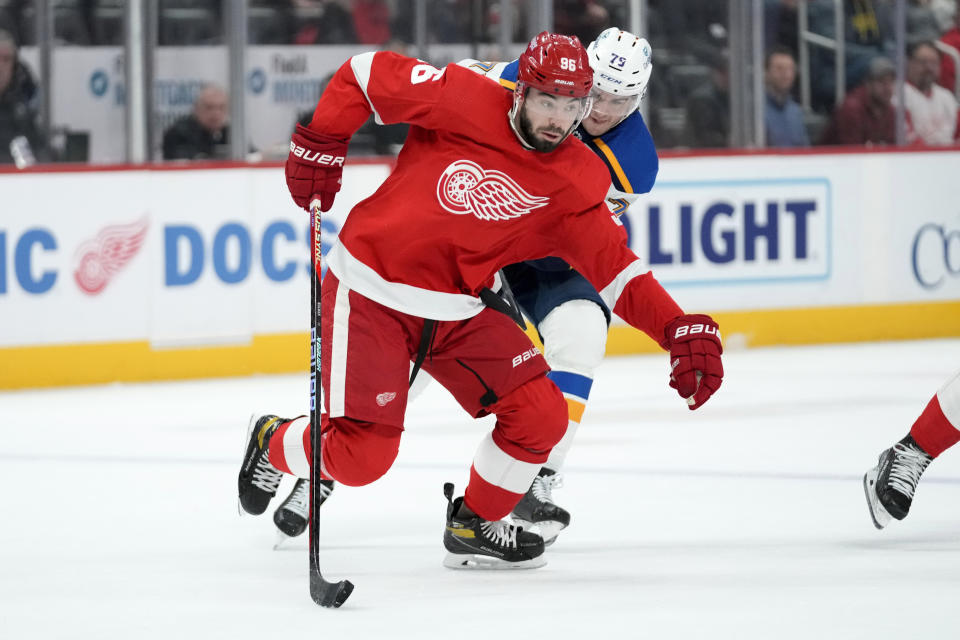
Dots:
{"x": 466, "y": 187}
{"x": 101, "y": 258}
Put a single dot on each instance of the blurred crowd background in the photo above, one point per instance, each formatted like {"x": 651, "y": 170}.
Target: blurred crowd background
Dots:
{"x": 227, "y": 79}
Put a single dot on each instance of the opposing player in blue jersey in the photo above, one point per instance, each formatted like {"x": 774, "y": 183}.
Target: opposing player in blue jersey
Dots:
{"x": 566, "y": 310}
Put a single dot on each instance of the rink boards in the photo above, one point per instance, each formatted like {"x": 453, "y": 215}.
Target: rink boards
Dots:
{"x": 133, "y": 274}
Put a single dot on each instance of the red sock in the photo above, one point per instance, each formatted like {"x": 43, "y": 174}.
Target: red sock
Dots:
{"x": 932, "y": 431}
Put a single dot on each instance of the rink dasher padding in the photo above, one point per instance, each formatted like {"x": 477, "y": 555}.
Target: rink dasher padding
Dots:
{"x": 75, "y": 364}
{"x": 132, "y": 273}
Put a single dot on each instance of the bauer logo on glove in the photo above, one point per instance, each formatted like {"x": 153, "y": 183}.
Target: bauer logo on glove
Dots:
{"x": 696, "y": 370}
{"x": 316, "y": 156}
{"x": 690, "y": 329}
{"x": 315, "y": 167}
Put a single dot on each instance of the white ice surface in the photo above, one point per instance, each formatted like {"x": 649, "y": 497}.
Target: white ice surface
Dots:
{"x": 745, "y": 519}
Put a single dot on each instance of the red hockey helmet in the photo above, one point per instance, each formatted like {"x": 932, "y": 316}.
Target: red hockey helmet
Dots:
{"x": 557, "y": 64}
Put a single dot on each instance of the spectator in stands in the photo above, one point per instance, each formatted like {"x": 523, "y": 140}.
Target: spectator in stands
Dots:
{"x": 202, "y": 135}
{"x": 371, "y": 21}
{"x": 694, "y": 26}
{"x": 493, "y": 19}
{"x": 932, "y": 111}
{"x": 868, "y": 33}
{"x": 21, "y": 140}
{"x": 449, "y": 21}
{"x": 867, "y": 116}
{"x": 106, "y": 21}
{"x": 780, "y": 24}
{"x": 950, "y": 37}
{"x": 708, "y": 108}
{"x": 783, "y": 117}
{"x": 944, "y": 10}
{"x": 922, "y": 22}
{"x": 323, "y": 22}
{"x": 270, "y": 22}
{"x": 189, "y": 22}
{"x": 9, "y": 17}
{"x": 582, "y": 18}
{"x": 71, "y": 22}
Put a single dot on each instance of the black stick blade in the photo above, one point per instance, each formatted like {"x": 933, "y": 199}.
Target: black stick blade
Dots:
{"x": 329, "y": 594}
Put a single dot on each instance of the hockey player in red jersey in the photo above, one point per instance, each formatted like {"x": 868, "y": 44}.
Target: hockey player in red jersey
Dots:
{"x": 471, "y": 192}
{"x": 890, "y": 485}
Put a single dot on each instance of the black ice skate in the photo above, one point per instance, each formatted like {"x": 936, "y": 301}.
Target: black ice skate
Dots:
{"x": 292, "y": 516}
{"x": 475, "y": 543}
{"x": 258, "y": 479}
{"x": 890, "y": 485}
{"x": 536, "y": 507}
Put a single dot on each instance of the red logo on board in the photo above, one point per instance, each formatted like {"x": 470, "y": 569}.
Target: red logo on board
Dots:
{"x": 101, "y": 258}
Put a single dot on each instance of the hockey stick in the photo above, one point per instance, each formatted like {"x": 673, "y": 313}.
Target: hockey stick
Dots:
{"x": 325, "y": 594}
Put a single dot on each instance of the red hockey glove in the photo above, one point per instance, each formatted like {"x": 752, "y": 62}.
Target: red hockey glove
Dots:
{"x": 695, "y": 367}
{"x": 314, "y": 167}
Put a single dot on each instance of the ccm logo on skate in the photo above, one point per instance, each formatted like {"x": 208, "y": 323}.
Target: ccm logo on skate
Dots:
{"x": 692, "y": 329}
{"x": 316, "y": 156}
{"x": 526, "y": 355}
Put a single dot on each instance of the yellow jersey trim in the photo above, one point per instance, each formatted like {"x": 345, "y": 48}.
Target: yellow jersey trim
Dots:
{"x": 612, "y": 159}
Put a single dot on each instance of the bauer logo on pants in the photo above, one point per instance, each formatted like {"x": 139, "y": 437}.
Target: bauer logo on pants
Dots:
{"x": 465, "y": 187}
{"x": 526, "y": 355}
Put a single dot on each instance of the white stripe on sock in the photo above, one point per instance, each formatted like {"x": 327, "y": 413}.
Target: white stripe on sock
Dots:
{"x": 502, "y": 470}
{"x": 293, "y": 451}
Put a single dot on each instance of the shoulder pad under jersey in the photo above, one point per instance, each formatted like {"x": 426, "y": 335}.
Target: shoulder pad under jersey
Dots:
{"x": 504, "y": 73}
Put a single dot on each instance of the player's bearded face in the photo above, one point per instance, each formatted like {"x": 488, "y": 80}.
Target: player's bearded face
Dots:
{"x": 546, "y": 120}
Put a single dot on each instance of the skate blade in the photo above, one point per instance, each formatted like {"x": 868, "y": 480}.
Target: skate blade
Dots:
{"x": 476, "y": 561}
{"x": 548, "y": 529}
{"x": 880, "y": 516}
{"x": 280, "y": 540}
{"x": 283, "y": 536}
